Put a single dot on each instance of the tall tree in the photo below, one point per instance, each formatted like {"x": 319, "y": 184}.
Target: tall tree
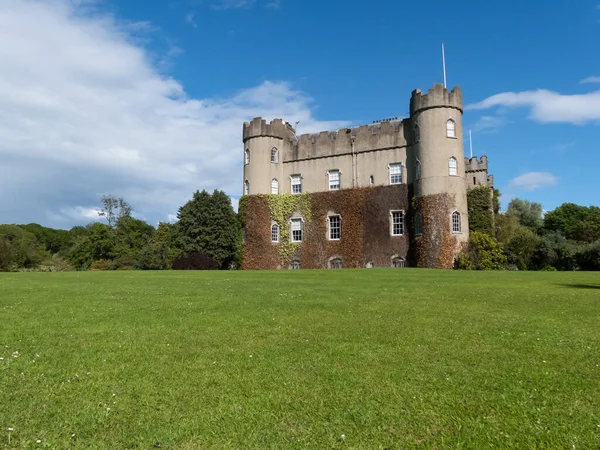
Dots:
{"x": 528, "y": 213}
{"x": 208, "y": 224}
{"x": 114, "y": 208}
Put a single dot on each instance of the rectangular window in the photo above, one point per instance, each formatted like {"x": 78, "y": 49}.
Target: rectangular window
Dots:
{"x": 296, "y": 184}
{"x": 296, "y": 229}
{"x": 397, "y": 225}
{"x": 395, "y": 173}
{"x": 334, "y": 180}
{"x": 335, "y": 228}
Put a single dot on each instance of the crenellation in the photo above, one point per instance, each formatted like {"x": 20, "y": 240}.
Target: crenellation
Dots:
{"x": 259, "y": 127}
{"x": 473, "y": 164}
{"x": 437, "y": 97}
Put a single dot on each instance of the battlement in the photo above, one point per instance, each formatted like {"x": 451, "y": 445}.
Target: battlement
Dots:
{"x": 473, "y": 164}
{"x": 381, "y": 135}
{"x": 437, "y": 97}
{"x": 259, "y": 127}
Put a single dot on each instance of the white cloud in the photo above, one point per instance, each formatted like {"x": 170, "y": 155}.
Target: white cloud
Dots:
{"x": 273, "y": 4}
{"x": 488, "y": 123}
{"x": 590, "y": 80}
{"x": 534, "y": 180}
{"x": 85, "y": 112}
{"x": 547, "y": 106}
{"x": 189, "y": 18}
{"x": 233, "y": 4}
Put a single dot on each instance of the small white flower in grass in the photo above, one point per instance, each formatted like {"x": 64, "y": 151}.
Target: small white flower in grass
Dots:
{"x": 343, "y": 436}
{"x": 1, "y": 359}
{"x": 250, "y": 356}
{"x": 39, "y": 441}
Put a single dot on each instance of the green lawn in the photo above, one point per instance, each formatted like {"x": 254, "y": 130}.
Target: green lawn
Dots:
{"x": 300, "y": 359}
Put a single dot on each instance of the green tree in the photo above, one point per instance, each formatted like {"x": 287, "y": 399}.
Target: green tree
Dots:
{"x": 131, "y": 235}
{"x": 522, "y": 247}
{"x": 98, "y": 244}
{"x": 208, "y": 224}
{"x": 579, "y": 223}
{"x": 55, "y": 241}
{"x": 528, "y": 213}
{"x": 114, "y": 208}
{"x": 20, "y": 249}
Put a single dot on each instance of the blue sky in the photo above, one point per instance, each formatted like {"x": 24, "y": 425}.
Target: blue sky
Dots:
{"x": 145, "y": 99}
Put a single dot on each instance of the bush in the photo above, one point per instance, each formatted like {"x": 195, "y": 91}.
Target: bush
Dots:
{"x": 588, "y": 258}
{"x": 102, "y": 264}
{"x": 486, "y": 253}
{"x": 463, "y": 262}
{"x": 195, "y": 261}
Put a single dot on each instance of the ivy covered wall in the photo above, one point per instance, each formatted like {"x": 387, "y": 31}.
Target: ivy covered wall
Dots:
{"x": 365, "y": 223}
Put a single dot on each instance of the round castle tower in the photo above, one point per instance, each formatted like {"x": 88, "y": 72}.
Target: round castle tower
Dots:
{"x": 261, "y": 165}
{"x": 439, "y": 182}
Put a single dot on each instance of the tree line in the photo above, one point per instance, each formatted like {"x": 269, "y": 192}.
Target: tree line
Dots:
{"x": 207, "y": 235}
{"x": 524, "y": 237}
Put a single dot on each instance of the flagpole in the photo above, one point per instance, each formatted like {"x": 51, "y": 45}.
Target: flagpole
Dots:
{"x": 444, "y": 63}
{"x": 471, "y": 143}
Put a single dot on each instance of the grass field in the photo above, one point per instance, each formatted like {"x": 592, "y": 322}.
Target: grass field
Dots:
{"x": 300, "y": 359}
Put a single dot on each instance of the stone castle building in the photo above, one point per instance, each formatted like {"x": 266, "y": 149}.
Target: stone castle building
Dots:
{"x": 392, "y": 193}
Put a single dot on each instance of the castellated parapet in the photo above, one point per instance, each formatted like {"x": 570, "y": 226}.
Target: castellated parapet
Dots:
{"x": 476, "y": 171}
{"x": 437, "y": 97}
{"x": 259, "y": 127}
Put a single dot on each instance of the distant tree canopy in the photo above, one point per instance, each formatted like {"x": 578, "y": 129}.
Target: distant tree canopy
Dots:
{"x": 578, "y": 223}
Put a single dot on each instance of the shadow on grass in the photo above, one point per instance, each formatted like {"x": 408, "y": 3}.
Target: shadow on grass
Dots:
{"x": 581, "y": 286}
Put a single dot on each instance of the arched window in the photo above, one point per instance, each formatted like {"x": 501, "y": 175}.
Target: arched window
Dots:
{"x": 418, "y": 224}
{"x": 336, "y": 263}
{"x": 274, "y": 186}
{"x": 452, "y": 167}
{"x": 274, "y": 233}
{"x": 246, "y": 188}
{"x": 274, "y": 155}
{"x": 417, "y": 169}
{"x": 450, "y": 129}
{"x": 417, "y": 132}
{"x": 398, "y": 262}
{"x": 247, "y": 157}
{"x": 294, "y": 264}
{"x": 456, "y": 225}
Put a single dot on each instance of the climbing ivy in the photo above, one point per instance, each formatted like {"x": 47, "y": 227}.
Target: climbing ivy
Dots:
{"x": 481, "y": 216}
{"x": 281, "y": 207}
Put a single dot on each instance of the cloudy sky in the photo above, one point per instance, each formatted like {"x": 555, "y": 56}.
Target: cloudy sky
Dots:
{"x": 146, "y": 100}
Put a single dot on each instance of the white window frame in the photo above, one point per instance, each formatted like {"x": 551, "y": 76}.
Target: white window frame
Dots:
{"x": 292, "y": 236}
{"x": 294, "y": 264}
{"x": 274, "y": 186}
{"x": 456, "y": 225}
{"x": 393, "y": 167}
{"x": 331, "y": 230}
{"x": 401, "y": 224}
{"x": 452, "y": 166}
{"x": 275, "y": 155}
{"x": 297, "y": 178}
{"x": 333, "y": 185}
{"x": 275, "y": 233}
{"x": 247, "y": 156}
{"x": 418, "y": 224}
{"x": 451, "y": 128}
{"x": 246, "y": 188}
